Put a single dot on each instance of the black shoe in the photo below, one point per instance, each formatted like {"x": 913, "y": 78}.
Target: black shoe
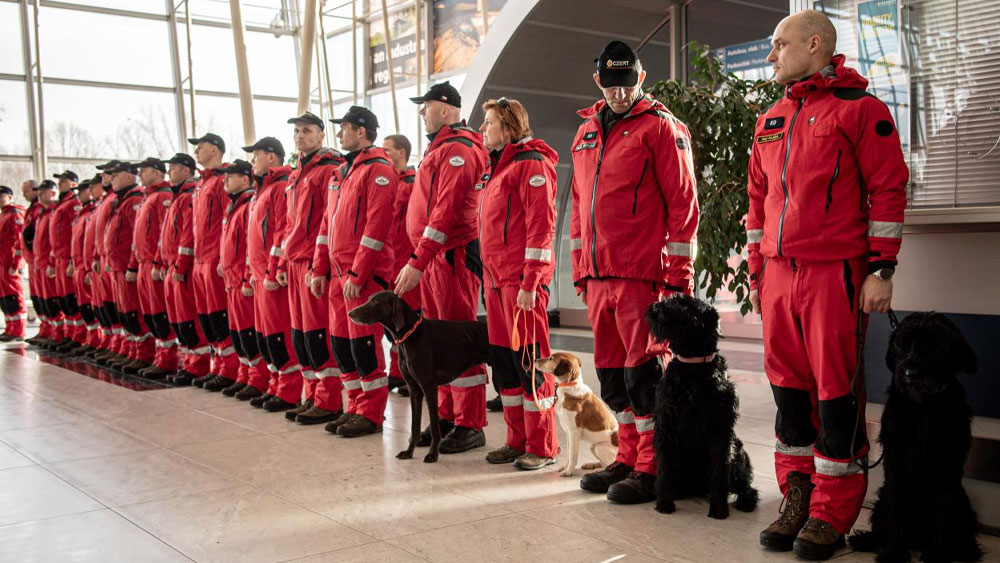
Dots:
{"x": 446, "y": 426}
{"x": 637, "y": 488}
{"x": 218, "y": 384}
{"x": 601, "y": 481}
{"x": 462, "y": 439}
{"x": 249, "y": 393}
{"x": 182, "y": 378}
{"x": 303, "y": 406}
{"x": 277, "y": 404}
{"x": 233, "y": 389}
{"x": 67, "y": 347}
{"x": 495, "y": 404}
{"x": 201, "y": 381}
{"x": 258, "y": 401}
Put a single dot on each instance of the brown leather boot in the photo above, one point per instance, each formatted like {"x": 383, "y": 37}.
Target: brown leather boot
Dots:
{"x": 818, "y": 540}
{"x": 780, "y": 535}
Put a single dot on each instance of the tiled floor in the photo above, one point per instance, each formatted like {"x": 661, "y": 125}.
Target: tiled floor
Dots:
{"x": 91, "y": 471}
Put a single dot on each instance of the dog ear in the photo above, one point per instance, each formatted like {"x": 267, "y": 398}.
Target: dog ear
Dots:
{"x": 397, "y": 314}
{"x": 658, "y": 318}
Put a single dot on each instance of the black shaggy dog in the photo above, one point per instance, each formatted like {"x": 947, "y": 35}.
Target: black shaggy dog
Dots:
{"x": 696, "y": 410}
{"x": 926, "y": 431}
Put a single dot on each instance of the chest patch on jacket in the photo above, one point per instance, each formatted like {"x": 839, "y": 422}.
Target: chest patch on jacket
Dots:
{"x": 585, "y": 146}
{"x": 770, "y": 138}
{"x": 774, "y": 123}
{"x": 590, "y": 135}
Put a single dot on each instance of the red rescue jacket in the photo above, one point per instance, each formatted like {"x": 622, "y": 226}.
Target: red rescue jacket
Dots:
{"x": 101, "y": 218}
{"x": 210, "y": 201}
{"x": 827, "y": 175}
{"x": 233, "y": 253}
{"x": 61, "y": 225}
{"x": 31, "y": 216}
{"x": 43, "y": 243}
{"x": 177, "y": 231}
{"x": 442, "y": 210}
{"x": 121, "y": 224}
{"x": 80, "y": 235}
{"x": 402, "y": 246}
{"x": 90, "y": 237}
{"x": 517, "y": 216}
{"x": 306, "y": 200}
{"x": 149, "y": 222}
{"x": 268, "y": 217}
{"x": 11, "y": 227}
{"x": 356, "y": 225}
{"x": 635, "y": 199}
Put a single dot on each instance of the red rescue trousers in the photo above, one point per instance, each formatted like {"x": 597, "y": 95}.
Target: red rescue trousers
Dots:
{"x": 531, "y": 426}
{"x": 50, "y": 295}
{"x": 310, "y": 318}
{"x": 141, "y": 345}
{"x": 210, "y": 300}
{"x": 626, "y": 367}
{"x": 12, "y": 300}
{"x": 98, "y": 337}
{"x": 253, "y": 370}
{"x": 64, "y": 289}
{"x": 183, "y": 315}
{"x": 115, "y": 336}
{"x": 449, "y": 291}
{"x": 153, "y": 304}
{"x": 88, "y": 332}
{"x": 358, "y": 352}
{"x": 272, "y": 320}
{"x": 810, "y": 316}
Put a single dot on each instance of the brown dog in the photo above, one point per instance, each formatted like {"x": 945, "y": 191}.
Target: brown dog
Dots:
{"x": 431, "y": 353}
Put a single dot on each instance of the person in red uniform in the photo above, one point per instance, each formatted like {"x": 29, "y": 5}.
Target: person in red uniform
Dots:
{"x": 145, "y": 244}
{"x": 50, "y": 315}
{"x": 445, "y": 264}
{"x": 398, "y": 148}
{"x": 632, "y": 241}
{"x": 60, "y": 273}
{"x": 11, "y": 267}
{"x": 267, "y": 221}
{"x": 827, "y": 186}
{"x": 176, "y": 256}
{"x": 116, "y": 345}
{"x": 31, "y": 214}
{"x": 124, "y": 268}
{"x": 517, "y": 222}
{"x": 235, "y": 270}
{"x": 353, "y": 258}
{"x": 83, "y": 250}
{"x": 306, "y": 193}
{"x": 210, "y": 201}
{"x": 84, "y": 270}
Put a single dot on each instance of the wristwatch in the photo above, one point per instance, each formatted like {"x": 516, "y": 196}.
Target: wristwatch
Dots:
{"x": 884, "y": 274}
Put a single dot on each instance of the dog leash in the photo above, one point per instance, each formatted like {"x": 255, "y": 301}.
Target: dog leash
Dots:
{"x": 526, "y": 354}
{"x": 859, "y": 390}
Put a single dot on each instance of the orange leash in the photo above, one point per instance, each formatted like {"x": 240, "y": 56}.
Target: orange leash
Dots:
{"x": 527, "y": 354}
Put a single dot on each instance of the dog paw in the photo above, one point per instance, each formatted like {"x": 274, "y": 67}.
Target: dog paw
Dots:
{"x": 405, "y": 454}
{"x": 430, "y": 458}
{"x": 666, "y": 507}
{"x": 566, "y": 472}
{"x": 719, "y": 512}
{"x": 594, "y": 465}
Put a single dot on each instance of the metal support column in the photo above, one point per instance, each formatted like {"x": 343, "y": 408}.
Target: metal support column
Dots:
{"x": 190, "y": 65}
{"x": 28, "y": 54}
{"x": 175, "y": 64}
{"x": 42, "y": 162}
{"x": 678, "y": 40}
{"x": 418, "y": 6}
{"x": 795, "y": 6}
{"x": 308, "y": 34}
{"x": 242, "y": 71}
{"x": 486, "y": 17}
{"x": 354, "y": 46}
{"x": 388, "y": 58}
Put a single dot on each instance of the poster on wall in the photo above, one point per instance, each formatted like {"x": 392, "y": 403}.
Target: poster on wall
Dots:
{"x": 880, "y": 59}
{"x": 459, "y": 29}
{"x": 403, "y": 29}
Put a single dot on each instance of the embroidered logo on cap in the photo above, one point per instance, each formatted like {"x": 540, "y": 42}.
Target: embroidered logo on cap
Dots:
{"x": 537, "y": 181}
{"x": 382, "y": 181}
{"x": 456, "y": 161}
{"x": 618, "y": 64}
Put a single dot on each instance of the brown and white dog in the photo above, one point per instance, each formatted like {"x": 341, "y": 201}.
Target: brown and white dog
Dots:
{"x": 582, "y": 414}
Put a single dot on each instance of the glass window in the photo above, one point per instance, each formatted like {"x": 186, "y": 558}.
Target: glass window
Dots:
{"x": 119, "y": 123}
{"x": 213, "y": 58}
{"x": 14, "y": 135}
{"x": 255, "y": 12}
{"x": 270, "y": 121}
{"x": 223, "y": 117}
{"x": 12, "y": 173}
{"x": 12, "y": 60}
{"x": 107, "y": 48}
{"x": 272, "y": 64}
{"x": 147, "y": 6}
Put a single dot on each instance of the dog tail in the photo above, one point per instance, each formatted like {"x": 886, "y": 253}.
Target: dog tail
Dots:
{"x": 614, "y": 438}
{"x": 864, "y": 541}
{"x": 740, "y": 479}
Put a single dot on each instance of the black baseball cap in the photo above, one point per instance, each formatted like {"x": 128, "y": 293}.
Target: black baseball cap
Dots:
{"x": 442, "y": 92}
{"x": 152, "y": 162}
{"x": 360, "y": 116}
{"x": 84, "y": 185}
{"x": 183, "y": 159}
{"x": 67, "y": 175}
{"x": 617, "y": 66}
{"x": 46, "y": 185}
{"x": 123, "y": 167}
{"x": 4, "y": 190}
{"x": 97, "y": 179}
{"x": 239, "y": 166}
{"x": 309, "y": 118}
{"x": 210, "y": 138}
{"x": 269, "y": 144}
{"x": 109, "y": 164}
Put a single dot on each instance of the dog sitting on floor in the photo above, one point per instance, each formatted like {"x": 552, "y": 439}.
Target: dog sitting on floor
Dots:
{"x": 696, "y": 409}
{"x": 925, "y": 436}
{"x": 581, "y": 413}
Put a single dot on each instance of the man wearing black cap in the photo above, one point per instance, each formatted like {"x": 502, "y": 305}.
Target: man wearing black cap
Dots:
{"x": 236, "y": 274}
{"x": 632, "y": 241}
{"x": 268, "y": 220}
{"x": 50, "y": 315}
{"x": 352, "y": 248}
{"x": 113, "y": 342}
{"x": 306, "y": 192}
{"x": 90, "y": 193}
{"x": 210, "y": 201}
{"x": 31, "y": 215}
{"x": 441, "y": 220}
{"x": 80, "y": 297}
{"x": 158, "y": 353}
{"x": 61, "y": 270}
{"x": 11, "y": 267}
{"x": 176, "y": 255}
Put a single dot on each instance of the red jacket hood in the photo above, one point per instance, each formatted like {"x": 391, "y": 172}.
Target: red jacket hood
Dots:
{"x": 643, "y": 104}
{"x": 840, "y": 77}
{"x": 527, "y": 145}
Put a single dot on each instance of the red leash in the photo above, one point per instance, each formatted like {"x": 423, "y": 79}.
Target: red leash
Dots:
{"x": 409, "y": 332}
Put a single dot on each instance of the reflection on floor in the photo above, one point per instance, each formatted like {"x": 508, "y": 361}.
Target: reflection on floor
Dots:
{"x": 98, "y": 472}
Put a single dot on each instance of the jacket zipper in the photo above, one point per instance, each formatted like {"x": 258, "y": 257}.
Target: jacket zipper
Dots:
{"x": 593, "y": 195}
{"x": 309, "y": 217}
{"x": 506, "y": 220}
{"x": 211, "y": 207}
{"x": 635, "y": 197}
{"x": 482, "y": 203}
{"x": 784, "y": 175}
{"x": 263, "y": 226}
{"x": 829, "y": 189}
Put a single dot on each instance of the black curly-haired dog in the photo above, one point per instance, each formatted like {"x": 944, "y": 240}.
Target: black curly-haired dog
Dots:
{"x": 926, "y": 432}
{"x": 696, "y": 410}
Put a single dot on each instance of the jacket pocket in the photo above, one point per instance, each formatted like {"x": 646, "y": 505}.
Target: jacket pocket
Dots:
{"x": 635, "y": 195}
{"x": 849, "y": 288}
{"x": 506, "y": 220}
{"x": 357, "y": 215}
{"x": 833, "y": 178}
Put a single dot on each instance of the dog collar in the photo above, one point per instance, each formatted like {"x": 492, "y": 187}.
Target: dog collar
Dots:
{"x": 409, "y": 332}
{"x": 567, "y": 384}
{"x": 698, "y": 360}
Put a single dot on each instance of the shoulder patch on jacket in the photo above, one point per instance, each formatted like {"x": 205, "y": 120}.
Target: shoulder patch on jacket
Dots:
{"x": 166, "y": 203}
{"x": 590, "y": 135}
{"x": 850, "y": 93}
{"x": 462, "y": 140}
{"x": 529, "y": 155}
{"x": 381, "y": 180}
{"x": 456, "y": 161}
{"x": 536, "y": 181}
